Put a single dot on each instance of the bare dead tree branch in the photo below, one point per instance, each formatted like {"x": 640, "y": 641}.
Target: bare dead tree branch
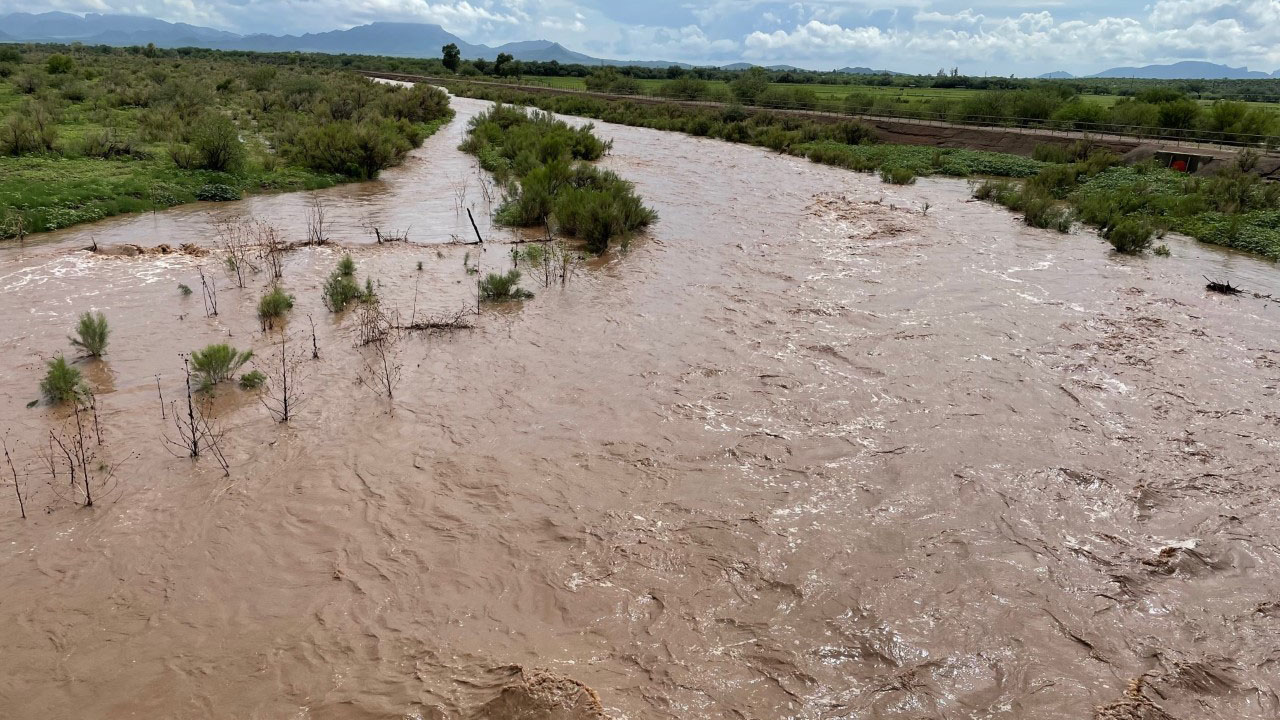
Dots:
{"x": 283, "y": 394}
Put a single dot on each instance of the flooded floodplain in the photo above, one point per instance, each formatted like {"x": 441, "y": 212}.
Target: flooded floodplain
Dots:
{"x": 812, "y": 447}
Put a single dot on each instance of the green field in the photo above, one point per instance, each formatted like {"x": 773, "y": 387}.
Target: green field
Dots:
{"x": 918, "y": 98}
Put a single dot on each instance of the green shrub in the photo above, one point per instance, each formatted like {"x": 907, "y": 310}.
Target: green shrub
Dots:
{"x": 341, "y": 288}
{"x": 107, "y": 145}
{"x": 355, "y": 149}
{"x": 498, "y": 287}
{"x": 273, "y": 306}
{"x": 60, "y": 65}
{"x": 182, "y": 288}
{"x": 898, "y": 176}
{"x": 253, "y": 380}
{"x": 216, "y": 192}
{"x": 1130, "y": 236}
{"x": 217, "y": 144}
{"x": 62, "y": 382}
{"x": 92, "y": 332}
{"x": 1042, "y": 211}
{"x": 217, "y": 363}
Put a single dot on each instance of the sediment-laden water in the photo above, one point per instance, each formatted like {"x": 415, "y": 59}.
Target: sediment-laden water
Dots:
{"x": 803, "y": 451}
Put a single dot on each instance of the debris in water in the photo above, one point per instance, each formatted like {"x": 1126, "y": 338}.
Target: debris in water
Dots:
{"x": 1224, "y": 288}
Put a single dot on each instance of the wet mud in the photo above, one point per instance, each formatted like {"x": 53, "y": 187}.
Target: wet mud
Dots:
{"x": 805, "y": 450}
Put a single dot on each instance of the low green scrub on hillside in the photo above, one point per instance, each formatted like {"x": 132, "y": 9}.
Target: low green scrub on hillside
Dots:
{"x": 93, "y": 132}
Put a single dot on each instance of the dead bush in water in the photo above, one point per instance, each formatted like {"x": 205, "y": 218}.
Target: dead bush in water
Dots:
{"x": 75, "y": 448}
{"x": 13, "y": 471}
{"x": 209, "y": 288}
{"x": 549, "y": 262}
{"x": 382, "y": 366}
{"x": 283, "y": 394}
{"x": 317, "y": 228}
{"x": 271, "y": 249}
{"x": 238, "y": 241}
{"x": 195, "y": 433}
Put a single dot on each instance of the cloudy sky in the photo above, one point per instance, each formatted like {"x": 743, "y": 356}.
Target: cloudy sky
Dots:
{"x": 998, "y": 37}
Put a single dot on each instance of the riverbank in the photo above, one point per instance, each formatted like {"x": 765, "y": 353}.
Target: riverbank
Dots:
{"x": 1233, "y": 207}
{"x": 95, "y": 134}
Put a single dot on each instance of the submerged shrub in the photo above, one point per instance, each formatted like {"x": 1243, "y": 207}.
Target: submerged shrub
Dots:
{"x": 898, "y": 176}
{"x": 273, "y": 306}
{"x": 496, "y": 287}
{"x": 1043, "y": 211}
{"x": 62, "y": 382}
{"x": 1130, "y": 236}
{"x": 217, "y": 363}
{"x": 92, "y": 333}
{"x": 341, "y": 288}
{"x": 253, "y": 380}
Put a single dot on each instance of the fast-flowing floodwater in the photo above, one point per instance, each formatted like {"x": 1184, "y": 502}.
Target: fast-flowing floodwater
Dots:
{"x": 803, "y": 451}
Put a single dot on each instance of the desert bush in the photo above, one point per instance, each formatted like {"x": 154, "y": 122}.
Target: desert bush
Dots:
{"x": 273, "y": 306}
{"x": 684, "y": 88}
{"x": 217, "y": 363}
{"x": 1130, "y": 236}
{"x": 217, "y": 144}
{"x": 91, "y": 334}
{"x": 498, "y": 287}
{"x": 28, "y": 83}
{"x": 59, "y": 65}
{"x": 357, "y": 150}
{"x": 417, "y": 104}
{"x": 898, "y": 176}
{"x": 106, "y": 144}
{"x": 62, "y": 383}
{"x": 20, "y": 136}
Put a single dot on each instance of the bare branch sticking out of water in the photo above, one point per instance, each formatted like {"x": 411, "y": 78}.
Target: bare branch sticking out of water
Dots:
{"x": 196, "y": 433}
{"x": 283, "y": 394}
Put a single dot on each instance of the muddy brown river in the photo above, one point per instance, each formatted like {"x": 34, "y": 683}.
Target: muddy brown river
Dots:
{"x": 803, "y": 451}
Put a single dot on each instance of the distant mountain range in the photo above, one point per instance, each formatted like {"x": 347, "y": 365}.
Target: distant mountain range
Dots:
{"x": 1186, "y": 70}
{"x": 424, "y": 41}
{"x": 379, "y": 38}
